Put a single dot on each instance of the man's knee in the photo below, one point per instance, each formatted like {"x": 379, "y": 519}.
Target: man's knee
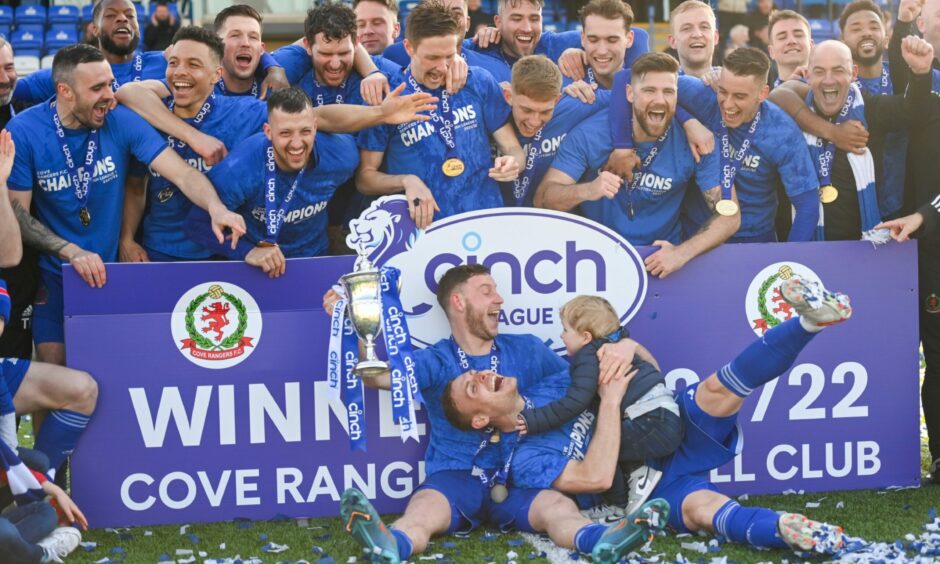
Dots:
{"x": 86, "y": 393}
{"x": 428, "y": 513}
{"x": 699, "y": 508}
{"x": 549, "y": 506}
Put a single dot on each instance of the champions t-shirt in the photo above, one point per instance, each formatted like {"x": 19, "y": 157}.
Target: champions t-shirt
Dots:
{"x": 231, "y": 120}
{"x": 40, "y": 166}
{"x": 657, "y": 199}
{"x": 416, "y": 148}
{"x": 240, "y": 181}
{"x": 521, "y": 356}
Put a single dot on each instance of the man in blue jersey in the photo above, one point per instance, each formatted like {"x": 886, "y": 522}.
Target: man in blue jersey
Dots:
{"x": 377, "y": 24}
{"x": 605, "y": 38}
{"x": 187, "y": 96}
{"x": 646, "y": 210}
{"x": 239, "y": 26}
{"x": 790, "y": 42}
{"x": 73, "y": 155}
{"x": 709, "y": 410}
{"x": 542, "y": 117}
{"x": 443, "y": 165}
{"x": 281, "y": 180}
{"x": 451, "y": 499}
{"x": 68, "y": 396}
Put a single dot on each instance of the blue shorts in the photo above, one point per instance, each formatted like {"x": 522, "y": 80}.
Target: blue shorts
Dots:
{"x": 513, "y": 513}
{"x": 469, "y": 500}
{"x": 13, "y": 371}
{"x": 48, "y": 312}
{"x": 708, "y": 443}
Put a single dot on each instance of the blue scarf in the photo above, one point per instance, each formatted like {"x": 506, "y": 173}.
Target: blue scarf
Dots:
{"x": 863, "y": 166}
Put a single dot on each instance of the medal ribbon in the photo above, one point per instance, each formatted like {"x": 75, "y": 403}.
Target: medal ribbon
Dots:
{"x": 826, "y": 155}
{"x": 507, "y": 448}
{"x": 159, "y": 183}
{"x": 80, "y": 177}
{"x": 225, "y": 92}
{"x": 643, "y": 169}
{"x": 443, "y": 118}
{"x": 274, "y": 218}
{"x": 884, "y": 87}
{"x": 520, "y": 186}
{"x": 731, "y": 160}
{"x": 136, "y": 74}
{"x": 319, "y": 90}
{"x": 405, "y": 391}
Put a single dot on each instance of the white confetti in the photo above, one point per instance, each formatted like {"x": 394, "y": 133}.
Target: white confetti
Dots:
{"x": 743, "y": 497}
{"x": 511, "y": 555}
{"x": 148, "y": 533}
{"x": 186, "y": 560}
{"x": 275, "y": 548}
{"x": 812, "y": 504}
{"x": 222, "y": 546}
{"x": 88, "y": 545}
{"x": 351, "y": 559}
{"x": 431, "y": 557}
{"x": 203, "y": 554}
{"x": 840, "y": 505}
{"x": 696, "y": 546}
{"x": 102, "y": 561}
{"x": 183, "y": 551}
{"x": 183, "y": 529}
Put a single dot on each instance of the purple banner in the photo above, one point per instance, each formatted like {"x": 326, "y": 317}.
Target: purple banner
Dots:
{"x": 214, "y": 402}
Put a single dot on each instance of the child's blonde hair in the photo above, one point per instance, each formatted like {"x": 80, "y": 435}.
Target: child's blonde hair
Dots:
{"x": 592, "y": 314}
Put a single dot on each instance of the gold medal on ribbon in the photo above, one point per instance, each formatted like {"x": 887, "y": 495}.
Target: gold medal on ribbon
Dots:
{"x": 85, "y": 216}
{"x": 499, "y": 493}
{"x": 828, "y": 194}
{"x": 453, "y": 167}
{"x": 494, "y": 438}
{"x": 726, "y": 207}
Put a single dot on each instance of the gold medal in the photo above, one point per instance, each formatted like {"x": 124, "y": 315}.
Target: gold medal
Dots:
{"x": 499, "y": 493}
{"x": 494, "y": 438}
{"x": 453, "y": 167}
{"x": 828, "y": 194}
{"x": 85, "y": 217}
{"x": 726, "y": 207}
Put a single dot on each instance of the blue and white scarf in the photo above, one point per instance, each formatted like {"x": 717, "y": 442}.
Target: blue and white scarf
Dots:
{"x": 23, "y": 484}
{"x": 863, "y": 166}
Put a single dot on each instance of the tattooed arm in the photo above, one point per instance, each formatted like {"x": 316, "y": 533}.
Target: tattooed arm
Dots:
{"x": 88, "y": 265}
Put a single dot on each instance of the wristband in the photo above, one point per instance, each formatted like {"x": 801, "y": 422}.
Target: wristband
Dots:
{"x": 373, "y": 72}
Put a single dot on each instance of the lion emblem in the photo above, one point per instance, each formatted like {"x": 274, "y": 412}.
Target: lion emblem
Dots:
{"x": 217, "y": 316}
{"x": 384, "y": 230}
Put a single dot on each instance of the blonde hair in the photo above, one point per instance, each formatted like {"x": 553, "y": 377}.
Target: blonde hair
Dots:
{"x": 592, "y": 314}
{"x": 690, "y": 5}
{"x": 536, "y": 77}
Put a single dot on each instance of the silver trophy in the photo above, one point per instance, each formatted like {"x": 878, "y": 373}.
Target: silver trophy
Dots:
{"x": 364, "y": 309}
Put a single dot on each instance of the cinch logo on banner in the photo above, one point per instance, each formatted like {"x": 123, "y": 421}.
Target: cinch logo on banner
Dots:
{"x": 216, "y": 325}
{"x": 539, "y": 258}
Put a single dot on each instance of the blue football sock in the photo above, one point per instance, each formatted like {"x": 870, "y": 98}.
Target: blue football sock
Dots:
{"x": 405, "y": 546}
{"x": 59, "y": 434}
{"x": 756, "y": 526}
{"x": 766, "y": 358}
{"x": 587, "y": 536}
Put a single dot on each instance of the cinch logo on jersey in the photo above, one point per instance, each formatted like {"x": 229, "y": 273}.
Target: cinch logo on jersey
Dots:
{"x": 764, "y": 304}
{"x": 579, "y": 436}
{"x": 561, "y": 256}
{"x": 53, "y": 181}
{"x": 216, "y": 325}
{"x": 547, "y": 147}
{"x": 751, "y": 162}
{"x": 415, "y": 131}
{"x": 293, "y": 216}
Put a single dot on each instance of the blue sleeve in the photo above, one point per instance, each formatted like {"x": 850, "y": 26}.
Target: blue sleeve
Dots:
{"x": 385, "y": 65}
{"x": 698, "y": 98}
{"x": 580, "y": 394}
{"x": 682, "y": 115}
{"x": 496, "y": 110}
{"x": 556, "y": 43}
{"x": 5, "y": 303}
{"x": 397, "y": 54}
{"x": 572, "y": 157}
{"x": 294, "y": 59}
{"x": 142, "y": 139}
{"x": 374, "y": 138}
{"x": 34, "y": 88}
{"x": 707, "y": 172}
{"x": 428, "y": 368}
{"x": 21, "y": 176}
{"x": 794, "y": 162}
{"x": 806, "y": 216}
{"x": 641, "y": 45}
{"x": 621, "y": 124}
{"x": 198, "y": 228}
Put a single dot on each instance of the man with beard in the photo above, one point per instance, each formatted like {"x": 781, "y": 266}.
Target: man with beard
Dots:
{"x": 790, "y": 43}
{"x": 118, "y": 38}
{"x": 863, "y": 31}
{"x": 542, "y": 117}
{"x": 444, "y": 167}
{"x": 518, "y": 33}
{"x": 187, "y": 96}
{"x": 709, "y": 410}
{"x": 749, "y": 132}
{"x": 850, "y": 209}
{"x": 281, "y": 180}
{"x": 646, "y": 210}
{"x": 72, "y": 154}
{"x": 377, "y": 24}
{"x": 452, "y": 499}
{"x": 239, "y": 26}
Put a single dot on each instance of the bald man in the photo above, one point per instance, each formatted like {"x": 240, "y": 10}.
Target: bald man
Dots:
{"x": 847, "y": 180}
